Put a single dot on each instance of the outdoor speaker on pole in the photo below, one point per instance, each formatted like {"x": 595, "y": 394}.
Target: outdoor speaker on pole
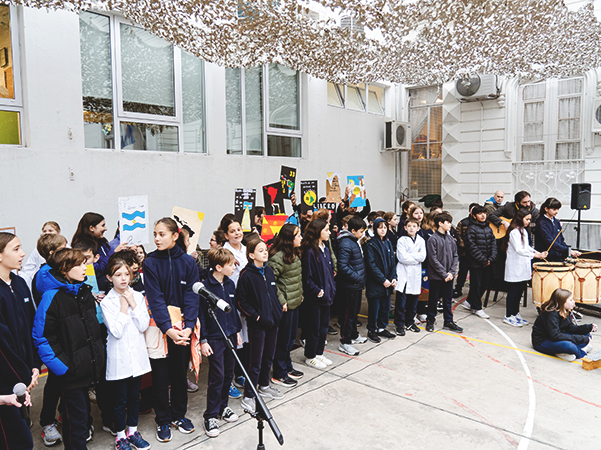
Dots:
{"x": 581, "y": 196}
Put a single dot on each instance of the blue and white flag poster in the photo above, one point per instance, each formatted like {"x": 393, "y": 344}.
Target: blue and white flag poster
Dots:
{"x": 133, "y": 219}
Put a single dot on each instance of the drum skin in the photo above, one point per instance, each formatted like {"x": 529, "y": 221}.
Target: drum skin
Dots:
{"x": 546, "y": 277}
{"x": 587, "y": 281}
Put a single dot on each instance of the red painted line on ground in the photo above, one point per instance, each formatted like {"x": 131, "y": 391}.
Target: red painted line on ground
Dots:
{"x": 458, "y": 302}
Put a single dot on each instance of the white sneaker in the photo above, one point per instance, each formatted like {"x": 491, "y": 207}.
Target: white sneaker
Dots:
{"x": 520, "y": 319}
{"x": 416, "y": 320}
{"x": 466, "y": 305}
{"x": 480, "y": 313}
{"x": 348, "y": 349}
{"x": 270, "y": 392}
{"x": 323, "y": 359}
{"x": 422, "y": 317}
{"x": 566, "y": 356}
{"x": 316, "y": 363}
{"x": 511, "y": 320}
{"x": 359, "y": 340}
{"x": 588, "y": 348}
{"x": 248, "y": 404}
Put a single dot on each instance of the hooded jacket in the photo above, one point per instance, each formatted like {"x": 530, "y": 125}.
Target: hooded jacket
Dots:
{"x": 257, "y": 297}
{"x": 168, "y": 278}
{"x": 481, "y": 244}
{"x": 66, "y": 331}
{"x": 17, "y": 354}
{"x": 351, "y": 267}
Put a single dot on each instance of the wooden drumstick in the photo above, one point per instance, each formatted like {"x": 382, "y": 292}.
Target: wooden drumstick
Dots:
{"x": 560, "y": 231}
{"x": 588, "y": 253}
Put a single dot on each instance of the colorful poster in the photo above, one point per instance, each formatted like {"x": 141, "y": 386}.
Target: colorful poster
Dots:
{"x": 273, "y": 198}
{"x": 189, "y": 220}
{"x": 92, "y": 281}
{"x": 133, "y": 219}
{"x": 244, "y": 207}
{"x": 12, "y": 230}
{"x": 308, "y": 195}
{"x": 333, "y": 187}
{"x": 356, "y": 184}
{"x": 272, "y": 225}
{"x": 330, "y": 206}
{"x": 287, "y": 180}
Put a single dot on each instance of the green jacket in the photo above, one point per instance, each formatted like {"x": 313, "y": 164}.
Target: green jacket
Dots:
{"x": 289, "y": 280}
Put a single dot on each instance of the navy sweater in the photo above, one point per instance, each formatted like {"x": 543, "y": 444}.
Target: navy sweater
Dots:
{"x": 545, "y": 232}
{"x": 318, "y": 274}
{"x": 257, "y": 297}
{"x": 168, "y": 278}
{"x": 17, "y": 354}
{"x": 230, "y": 322}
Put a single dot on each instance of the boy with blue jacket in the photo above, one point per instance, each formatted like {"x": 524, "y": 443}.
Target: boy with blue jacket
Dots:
{"x": 222, "y": 263}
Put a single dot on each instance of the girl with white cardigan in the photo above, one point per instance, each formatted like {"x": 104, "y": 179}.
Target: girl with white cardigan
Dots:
{"x": 518, "y": 266}
{"x": 125, "y": 314}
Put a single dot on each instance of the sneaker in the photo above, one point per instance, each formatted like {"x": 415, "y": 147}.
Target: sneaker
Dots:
{"x": 577, "y": 315}
{"x": 270, "y": 392}
{"x": 183, "y": 425}
{"x": 359, "y": 324}
{"x": 588, "y": 348}
{"x": 413, "y": 327}
{"x": 239, "y": 381}
{"x": 295, "y": 374}
{"x": 323, "y": 359}
{"x": 109, "y": 429}
{"x": 480, "y": 313}
{"x": 511, "y": 320}
{"x": 430, "y": 325}
{"x": 337, "y": 325}
{"x": 191, "y": 386}
{"x": 400, "y": 331}
{"x": 457, "y": 294}
{"x": 90, "y": 433}
{"x": 332, "y": 330}
{"x": 359, "y": 340}
{"x": 566, "y": 356}
{"x": 137, "y": 441}
{"x": 386, "y": 334}
{"x": 422, "y": 318}
{"x": 248, "y": 404}
{"x": 348, "y": 349}
{"x": 286, "y": 381}
{"x": 520, "y": 319}
{"x": 373, "y": 336}
{"x": 228, "y": 415}
{"x": 439, "y": 306}
{"x": 122, "y": 444}
{"x": 92, "y": 395}
{"x": 234, "y": 392}
{"x": 452, "y": 326}
{"x": 316, "y": 363}
{"x": 211, "y": 427}
{"x": 466, "y": 305}
{"x": 50, "y": 435}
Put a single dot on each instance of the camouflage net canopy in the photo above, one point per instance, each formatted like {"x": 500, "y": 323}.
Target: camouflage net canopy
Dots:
{"x": 407, "y": 41}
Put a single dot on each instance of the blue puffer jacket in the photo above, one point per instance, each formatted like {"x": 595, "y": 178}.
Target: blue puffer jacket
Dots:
{"x": 351, "y": 268}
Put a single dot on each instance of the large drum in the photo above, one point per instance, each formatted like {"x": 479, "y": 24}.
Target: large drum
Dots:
{"x": 587, "y": 281}
{"x": 546, "y": 277}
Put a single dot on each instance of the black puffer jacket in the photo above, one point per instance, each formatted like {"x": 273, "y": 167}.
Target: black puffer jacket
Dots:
{"x": 480, "y": 243}
{"x": 351, "y": 267}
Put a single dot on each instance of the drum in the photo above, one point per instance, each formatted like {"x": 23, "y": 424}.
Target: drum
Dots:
{"x": 587, "y": 281}
{"x": 546, "y": 277}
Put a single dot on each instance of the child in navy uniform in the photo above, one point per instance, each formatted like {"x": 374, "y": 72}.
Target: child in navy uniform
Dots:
{"x": 222, "y": 263}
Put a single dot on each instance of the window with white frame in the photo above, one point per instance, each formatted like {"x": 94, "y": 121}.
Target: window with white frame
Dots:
{"x": 425, "y": 161}
{"x": 11, "y": 100}
{"x": 263, "y": 113}
{"x": 139, "y": 91}
{"x": 551, "y": 112}
{"x": 358, "y": 97}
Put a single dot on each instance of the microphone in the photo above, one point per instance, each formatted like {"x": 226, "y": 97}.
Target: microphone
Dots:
{"x": 19, "y": 390}
{"x": 211, "y": 298}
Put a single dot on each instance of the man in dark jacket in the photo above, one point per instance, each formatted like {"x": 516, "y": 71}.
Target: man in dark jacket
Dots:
{"x": 350, "y": 281}
{"x": 509, "y": 210}
{"x": 482, "y": 252}
{"x": 495, "y": 202}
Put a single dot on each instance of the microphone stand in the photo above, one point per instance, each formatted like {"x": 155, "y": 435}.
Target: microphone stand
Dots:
{"x": 261, "y": 412}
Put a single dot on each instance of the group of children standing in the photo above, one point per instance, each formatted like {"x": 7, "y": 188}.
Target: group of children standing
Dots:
{"x": 152, "y": 321}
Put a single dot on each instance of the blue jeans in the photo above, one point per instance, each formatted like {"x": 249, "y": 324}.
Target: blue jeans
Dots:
{"x": 377, "y": 312}
{"x": 555, "y": 347}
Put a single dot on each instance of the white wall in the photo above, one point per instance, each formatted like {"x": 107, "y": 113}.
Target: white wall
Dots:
{"x": 36, "y": 180}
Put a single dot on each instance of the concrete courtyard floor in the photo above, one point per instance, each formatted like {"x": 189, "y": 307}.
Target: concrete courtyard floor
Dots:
{"x": 484, "y": 389}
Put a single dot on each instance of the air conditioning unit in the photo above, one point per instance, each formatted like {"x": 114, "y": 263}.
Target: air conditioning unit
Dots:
{"x": 597, "y": 116}
{"x": 398, "y": 136}
{"x": 476, "y": 87}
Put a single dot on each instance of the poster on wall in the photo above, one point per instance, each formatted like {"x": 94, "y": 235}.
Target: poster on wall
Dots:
{"x": 308, "y": 195}
{"x": 244, "y": 207}
{"x": 287, "y": 180}
{"x": 356, "y": 185}
{"x": 272, "y": 225}
{"x": 190, "y": 220}
{"x": 133, "y": 219}
{"x": 333, "y": 187}
{"x": 273, "y": 198}
{"x": 12, "y": 230}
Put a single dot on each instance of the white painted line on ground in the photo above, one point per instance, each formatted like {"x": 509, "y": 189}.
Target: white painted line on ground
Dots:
{"x": 529, "y": 425}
